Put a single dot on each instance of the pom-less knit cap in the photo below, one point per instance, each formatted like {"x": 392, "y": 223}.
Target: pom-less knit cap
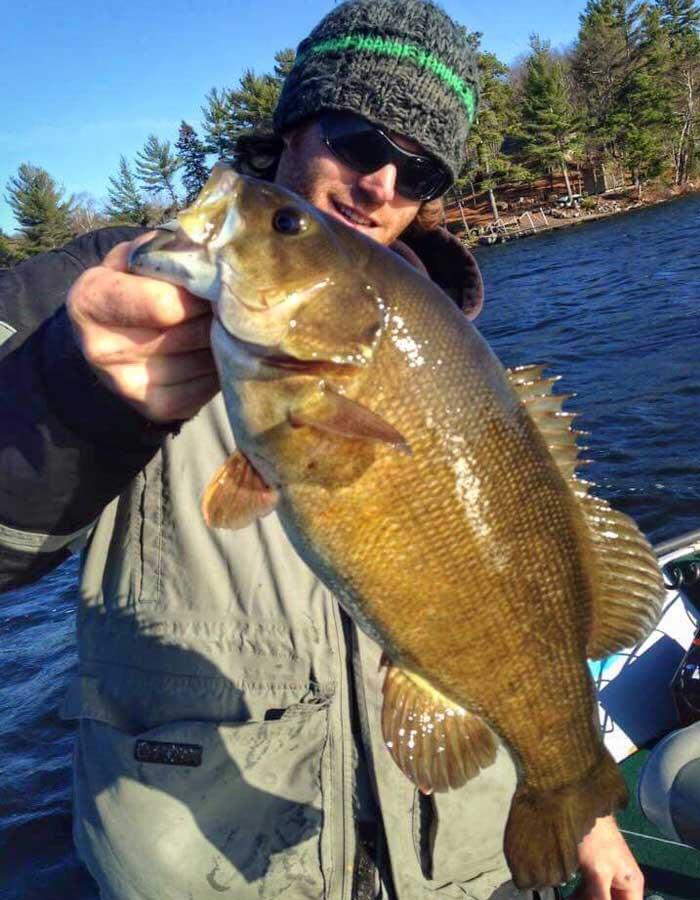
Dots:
{"x": 402, "y": 64}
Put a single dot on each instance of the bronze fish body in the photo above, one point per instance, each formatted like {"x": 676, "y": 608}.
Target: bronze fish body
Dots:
{"x": 432, "y": 491}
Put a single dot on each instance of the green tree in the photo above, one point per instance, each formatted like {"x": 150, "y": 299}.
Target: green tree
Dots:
{"x": 643, "y": 114}
{"x": 194, "y": 161}
{"x": 156, "y": 166}
{"x": 680, "y": 22}
{"x": 254, "y": 101}
{"x": 11, "y": 251}
{"x": 44, "y": 217}
{"x": 603, "y": 59}
{"x": 125, "y": 203}
{"x": 284, "y": 63}
{"x": 219, "y": 124}
{"x": 681, "y": 18}
{"x": 230, "y": 112}
{"x": 548, "y": 127}
{"x": 497, "y": 119}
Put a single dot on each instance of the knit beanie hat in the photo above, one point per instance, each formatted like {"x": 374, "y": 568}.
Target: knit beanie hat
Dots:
{"x": 402, "y": 64}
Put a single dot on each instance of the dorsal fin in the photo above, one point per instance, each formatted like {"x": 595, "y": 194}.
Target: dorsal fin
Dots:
{"x": 628, "y": 589}
{"x": 545, "y": 409}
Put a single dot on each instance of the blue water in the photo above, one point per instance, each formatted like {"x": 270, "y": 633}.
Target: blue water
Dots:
{"x": 613, "y": 307}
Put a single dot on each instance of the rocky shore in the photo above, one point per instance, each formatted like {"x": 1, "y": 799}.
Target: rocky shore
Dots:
{"x": 515, "y": 223}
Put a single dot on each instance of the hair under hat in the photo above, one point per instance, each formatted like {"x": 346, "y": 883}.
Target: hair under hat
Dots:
{"x": 402, "y": 64}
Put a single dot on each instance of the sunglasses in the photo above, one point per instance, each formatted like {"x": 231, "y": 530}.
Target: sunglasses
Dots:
{"x": 365, "y": 148}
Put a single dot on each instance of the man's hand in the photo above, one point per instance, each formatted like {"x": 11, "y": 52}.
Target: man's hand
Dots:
{"x": 609, "y": 870}
{"x": 147, "y": 340}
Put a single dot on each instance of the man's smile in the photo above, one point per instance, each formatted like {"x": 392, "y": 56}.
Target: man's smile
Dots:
{"x": 353, "y": 215}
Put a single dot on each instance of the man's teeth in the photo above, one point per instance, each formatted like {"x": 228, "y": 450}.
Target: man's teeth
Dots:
{"x": 352, "y": 215}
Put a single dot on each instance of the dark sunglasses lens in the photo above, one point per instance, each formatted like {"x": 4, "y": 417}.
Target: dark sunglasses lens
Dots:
{"x": 421, "y": 179}
{"x": 365, "y": 149}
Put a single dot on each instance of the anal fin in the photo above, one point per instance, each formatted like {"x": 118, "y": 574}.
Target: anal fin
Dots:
{"x": 237, "y": 495}
{"x": 436, "y": 743}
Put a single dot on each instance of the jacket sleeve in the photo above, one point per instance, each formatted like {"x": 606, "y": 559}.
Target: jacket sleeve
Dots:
{"x": 67, "y": 445}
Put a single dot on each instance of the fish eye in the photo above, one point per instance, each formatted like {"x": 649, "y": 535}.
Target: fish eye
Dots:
{"x": 289, "y": 220}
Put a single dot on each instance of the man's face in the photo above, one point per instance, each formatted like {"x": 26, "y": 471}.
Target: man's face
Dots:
{"x": 369, "y": 203}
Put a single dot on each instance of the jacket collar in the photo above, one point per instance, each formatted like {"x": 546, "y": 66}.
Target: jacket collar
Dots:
{"x": 448, "y": 263}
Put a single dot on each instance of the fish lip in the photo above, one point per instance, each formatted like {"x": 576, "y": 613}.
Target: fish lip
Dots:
{"x": 170, "y": 241}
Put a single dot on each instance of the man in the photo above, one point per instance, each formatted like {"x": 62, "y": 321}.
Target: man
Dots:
{"x": 228, "y": 710}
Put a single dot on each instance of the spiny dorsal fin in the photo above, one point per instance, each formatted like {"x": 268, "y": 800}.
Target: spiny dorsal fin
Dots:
{"x": 545, "y": 409}
{"x": 435, "y": 743}
{"x": 628, "y": 589}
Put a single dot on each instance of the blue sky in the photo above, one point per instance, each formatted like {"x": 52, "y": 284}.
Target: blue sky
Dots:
{"x": 83, "y": 83}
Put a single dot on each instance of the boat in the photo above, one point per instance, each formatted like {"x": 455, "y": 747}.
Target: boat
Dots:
{"x": 649, "y": 707}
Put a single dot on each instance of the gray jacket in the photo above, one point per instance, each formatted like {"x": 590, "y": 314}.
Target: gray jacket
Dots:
{"x": 228, "y": 709}
{"x": 225, "y": 649}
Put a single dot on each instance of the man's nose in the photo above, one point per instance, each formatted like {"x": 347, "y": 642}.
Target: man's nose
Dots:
{"x": 380, "y": 186}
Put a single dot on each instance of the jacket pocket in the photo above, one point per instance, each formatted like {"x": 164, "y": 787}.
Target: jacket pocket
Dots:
{"x": 458, "y": 836}
{"x": 146, "y": 537}
{"x": 204, "y": 809}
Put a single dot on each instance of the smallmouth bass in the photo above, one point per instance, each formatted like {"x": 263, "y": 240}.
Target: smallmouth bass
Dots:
{"x": 432, "y": 491}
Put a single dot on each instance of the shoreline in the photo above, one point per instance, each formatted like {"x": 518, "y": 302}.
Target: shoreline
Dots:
{"x": 516, "y": 227}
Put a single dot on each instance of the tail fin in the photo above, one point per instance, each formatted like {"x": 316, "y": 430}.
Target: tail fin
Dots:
{"x": 544, "y": 828}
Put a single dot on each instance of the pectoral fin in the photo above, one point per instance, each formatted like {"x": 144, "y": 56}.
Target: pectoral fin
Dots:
{"x": 237, "y": 495}
{"x": 330, "y": 412}
{"x": 434, "y": 742}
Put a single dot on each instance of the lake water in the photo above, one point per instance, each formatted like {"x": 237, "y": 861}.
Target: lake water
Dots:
{"x": 613, "y": 307}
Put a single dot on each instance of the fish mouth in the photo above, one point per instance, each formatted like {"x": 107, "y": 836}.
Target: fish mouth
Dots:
{"x": 260, "y": 360}
{"x": 144, "y": 257}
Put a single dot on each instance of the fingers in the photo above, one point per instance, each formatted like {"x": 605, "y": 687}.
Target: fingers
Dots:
{"x": 163, "y": 371}
{"x": 117, "y": 345}
{"x": 118, "y": 299}
{"x": 609, "y": 870}
{"x": 177, "y": 402}
{"x": 147, "y": 340}
{"x": 628, "y": 885}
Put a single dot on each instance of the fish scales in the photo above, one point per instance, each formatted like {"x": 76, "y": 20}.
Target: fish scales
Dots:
{"x": 418, "y": 480}
{"x": 445, "y": 567}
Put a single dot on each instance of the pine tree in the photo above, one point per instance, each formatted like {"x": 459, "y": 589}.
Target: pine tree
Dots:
{"x": 603, "y": 59}
{"x": 11, "y": 251}
{"x": 193, "y": 156}
{"x": 156, "y": 166}
{"x": 497, "y": 118}
{"x": 642, "y": 116}
{"x": 284, "y": 63}
{"x": 230, "y": 112}
{"x": 255, "y": 100}
{"x": 680, "y": 18}
{"x": 548, "y": 127}
{"x": 43, "y": 215}
{"x": 125, "y": 201}
{"x": 219, "y": 124}
{"x": 680, "y": 21}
